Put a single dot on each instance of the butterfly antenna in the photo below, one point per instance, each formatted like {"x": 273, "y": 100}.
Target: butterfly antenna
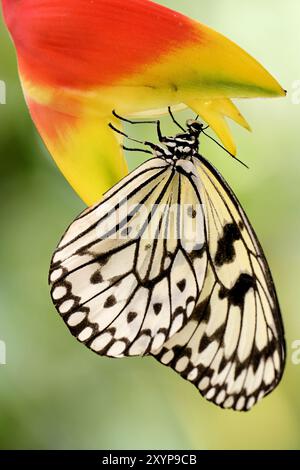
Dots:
{"x": 174, "y": 120}
{"x": 222, "y": 147}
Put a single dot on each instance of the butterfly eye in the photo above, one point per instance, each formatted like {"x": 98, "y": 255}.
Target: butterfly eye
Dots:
{"x": 194, "y": 126}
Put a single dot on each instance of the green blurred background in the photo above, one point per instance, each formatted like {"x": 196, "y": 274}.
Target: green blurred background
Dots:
{"x": 54, "y": 393}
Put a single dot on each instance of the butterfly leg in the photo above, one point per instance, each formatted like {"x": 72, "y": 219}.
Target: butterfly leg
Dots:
{"x": 156, "y": 122}
{"x": 174, "y": 120}
{"x": 149, "y": 144}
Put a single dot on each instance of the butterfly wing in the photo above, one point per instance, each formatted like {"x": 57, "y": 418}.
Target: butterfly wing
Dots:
{"x": 233, "y": 347}
{"x": 120, "y": 278}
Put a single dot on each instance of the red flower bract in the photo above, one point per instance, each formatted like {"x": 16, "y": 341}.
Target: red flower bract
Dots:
{"x": 89, "y": 43}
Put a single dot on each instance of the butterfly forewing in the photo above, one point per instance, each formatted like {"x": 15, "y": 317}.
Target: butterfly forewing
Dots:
{"x": 120, "y": 277}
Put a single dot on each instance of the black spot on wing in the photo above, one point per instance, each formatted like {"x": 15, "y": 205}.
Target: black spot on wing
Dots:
{"x": 204, "y": 343}
{"x": 239, "y": 367}
{"x": 202, "y": 311}
{"x": 181, "y": 285}
{"x": 236, "y": 295}
{"x": 191, "y": 212}
{"x": 96, "y": 278}
{"x": 225, "y": 252}
{"x": 157, "y": 308}
{"x": 131, "y": 316}
{"x": 178, "y": 311}
{"x": 110, "y": 301}
{"x": 223, "y": 364}
{"x": 198, "y": 251}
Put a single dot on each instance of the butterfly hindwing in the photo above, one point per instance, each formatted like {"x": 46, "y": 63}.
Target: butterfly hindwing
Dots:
{"x": 232, "y": 347}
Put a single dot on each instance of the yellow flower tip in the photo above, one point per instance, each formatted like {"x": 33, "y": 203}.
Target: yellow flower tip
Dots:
{"x": 214, "y": 112}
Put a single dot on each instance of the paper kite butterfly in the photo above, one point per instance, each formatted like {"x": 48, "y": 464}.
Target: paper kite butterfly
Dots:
{"x": 168, "y": 265}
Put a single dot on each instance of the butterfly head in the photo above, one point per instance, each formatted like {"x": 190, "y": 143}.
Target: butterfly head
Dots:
{"x": 194, "y": 127}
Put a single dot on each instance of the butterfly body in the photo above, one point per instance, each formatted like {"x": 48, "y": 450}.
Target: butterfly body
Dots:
{"x": 168, "y": 264}
{"x": 182, "y": 146}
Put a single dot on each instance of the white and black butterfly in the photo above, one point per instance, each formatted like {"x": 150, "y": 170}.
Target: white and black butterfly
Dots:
{"x": 167, "y": 264}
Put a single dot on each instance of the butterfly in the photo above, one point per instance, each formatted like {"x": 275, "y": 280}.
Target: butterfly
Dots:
{"x": 167, "y": 264}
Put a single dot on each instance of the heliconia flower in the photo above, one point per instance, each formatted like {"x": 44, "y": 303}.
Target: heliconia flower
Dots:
{"x": 79, "y": 60}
